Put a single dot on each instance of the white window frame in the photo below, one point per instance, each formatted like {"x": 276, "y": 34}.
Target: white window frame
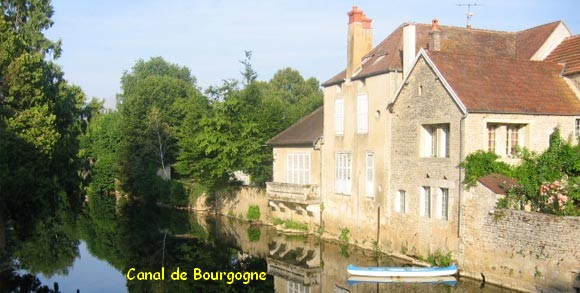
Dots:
{"x": 492, "y": 137}
{"x": 370, "y": 174}
{"x": 425, "y": 200}
{"x": 362, "y": 114}
{"x": 401, "y": 201}
{"x": 339, "y": 117}
{"x": 343, "y": 173}
{"x": 577, "y": 128}
{"x": 298, "y": 168}
{"x": 443, "y": 206}
{"x": 436, "y": 140}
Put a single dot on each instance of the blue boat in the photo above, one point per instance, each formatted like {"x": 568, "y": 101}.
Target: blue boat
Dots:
{"x": 402, "y": 271}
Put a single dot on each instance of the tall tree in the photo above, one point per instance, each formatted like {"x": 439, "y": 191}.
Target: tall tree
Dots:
{"x": 153, "y": 90}
{"x": 39, "y": 119}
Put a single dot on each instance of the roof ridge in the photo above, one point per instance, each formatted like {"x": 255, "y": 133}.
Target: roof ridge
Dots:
{"x": 541, "y": 25}
{"x": 494, "y": 57}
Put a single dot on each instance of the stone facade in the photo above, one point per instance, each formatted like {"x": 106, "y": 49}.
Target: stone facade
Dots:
{"x": 361, "y": 207}
{"x": 423, "y": 102}
{"x": 280, "y": 163}
{"x": 526, "y": 250}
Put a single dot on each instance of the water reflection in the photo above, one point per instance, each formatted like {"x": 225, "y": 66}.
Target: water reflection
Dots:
{"x": 147, "y": 237}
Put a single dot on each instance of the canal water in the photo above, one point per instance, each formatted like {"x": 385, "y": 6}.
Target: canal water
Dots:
{"x": 107, "y": 244}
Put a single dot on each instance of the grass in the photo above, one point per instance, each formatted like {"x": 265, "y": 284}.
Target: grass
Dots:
{"x": 289, "y": 224}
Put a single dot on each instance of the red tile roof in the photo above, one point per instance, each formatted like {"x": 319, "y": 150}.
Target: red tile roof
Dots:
{"x": 497, "y": 183}
{"x": 529, "y": 41}
{"x": 506, "y": 85}
{"x": 305, "y": 132}
{"x": 568, "y": 53}
{"x": 387, "y": 56}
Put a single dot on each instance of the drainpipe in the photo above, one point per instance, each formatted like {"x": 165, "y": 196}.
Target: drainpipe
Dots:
{"x": 461, "y": 142}
{"x": 320, "y": 140}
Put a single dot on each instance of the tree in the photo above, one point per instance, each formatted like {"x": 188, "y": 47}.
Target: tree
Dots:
{"x": 155, "y": 94}
{"x": 39, "y": 120}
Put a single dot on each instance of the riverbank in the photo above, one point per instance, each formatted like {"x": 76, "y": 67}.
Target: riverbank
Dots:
{"x": 487, "y": 260}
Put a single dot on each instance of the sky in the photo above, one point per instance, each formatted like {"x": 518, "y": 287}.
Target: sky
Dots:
{"x": 103, "y": 39}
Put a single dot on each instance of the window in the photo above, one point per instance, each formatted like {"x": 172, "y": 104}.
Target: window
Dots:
{"x": 512, "y": 139}
{"x": 339, "y": 116}
{"x": 425, "y": 202}
{"x": 504, "y": 139}
{"x": 362, "y": 114}
{"x": 444, "y": 199}
{"x": 370, "y": 172}
{"x": 436, "y": 140}
{"x": 298, "y": 168}
{"x": 400, "y": 201}
{"x": 491, "y": 129}
{"x": 577, "y": 128}
{"x": 343, "y": 174}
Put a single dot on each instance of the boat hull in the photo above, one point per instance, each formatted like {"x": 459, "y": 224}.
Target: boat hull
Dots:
{"x": 444, "y": 280}
{"x": 402, "y": 271}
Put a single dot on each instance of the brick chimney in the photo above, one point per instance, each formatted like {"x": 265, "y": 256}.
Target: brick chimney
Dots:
{"x": 359, "y": 40}
{"x": 435, "y": 36}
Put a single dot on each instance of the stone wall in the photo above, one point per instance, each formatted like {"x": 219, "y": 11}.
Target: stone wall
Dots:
{"x": 238, "y": 203}
{"x": 422, "y": 101}
{"x": 525, "y": 250}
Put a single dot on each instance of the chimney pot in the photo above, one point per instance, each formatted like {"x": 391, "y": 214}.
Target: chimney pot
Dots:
{"x": 359, "y": 39}
{"x": 435, "y": 36}
{"x": 355, "y": 15}
{"x": 435, "y": 24}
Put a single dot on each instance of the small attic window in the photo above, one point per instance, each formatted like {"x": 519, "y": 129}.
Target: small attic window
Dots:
{"x": 379, "y": 58}
{"x": 366, "y": 59}
{"x": 420, "y": 90}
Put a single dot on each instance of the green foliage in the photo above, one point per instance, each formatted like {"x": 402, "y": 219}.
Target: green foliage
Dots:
{"x": 344, "y": 234}
{"x": 155, "y": 96}
{"x": 176, "y": 195}
{"x": 440, "y": 258}
{"x": 253, "y": 213}
{"x": 40, "y": 120}
{"x": 548, "y": 182}
{"x": 482, "y": 163}
{"x": 290, "y": 224}
{"x": 254, "y": 233}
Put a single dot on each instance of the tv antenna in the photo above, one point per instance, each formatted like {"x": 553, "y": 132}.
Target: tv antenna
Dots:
{"x": 469, "y": 13}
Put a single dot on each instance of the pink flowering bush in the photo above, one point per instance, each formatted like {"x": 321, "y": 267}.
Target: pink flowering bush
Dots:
{"x": 556, "y": 195}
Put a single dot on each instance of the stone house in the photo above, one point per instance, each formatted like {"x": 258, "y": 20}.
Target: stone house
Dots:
{"x": 402, "y": 116}
{"x": 294, "y": 192}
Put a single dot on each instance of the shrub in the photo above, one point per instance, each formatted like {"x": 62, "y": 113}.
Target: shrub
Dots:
{"x": 482, "y": 163}
{"x": 344, "y": 234}
{"x": 440, "y": 259}
{"x": 253, "y": 213}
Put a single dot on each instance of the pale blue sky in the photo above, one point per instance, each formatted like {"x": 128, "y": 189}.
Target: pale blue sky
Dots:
{"x": 102, "y": 39}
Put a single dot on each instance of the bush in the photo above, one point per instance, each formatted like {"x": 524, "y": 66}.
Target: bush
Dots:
{"x": 177, "y": 194}
{"x": 253, "y": 213}
{"x": 440, "y": 259}
{"x": 483, "y": 163}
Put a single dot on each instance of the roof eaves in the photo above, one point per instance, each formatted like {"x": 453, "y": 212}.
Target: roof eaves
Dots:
{"x": 371, "y": 74}
{"x": 521, "y": 113}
